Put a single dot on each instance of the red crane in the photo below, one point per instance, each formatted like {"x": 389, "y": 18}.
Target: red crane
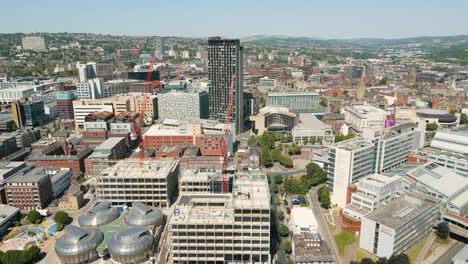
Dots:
{"x": 224, "y": 141}
{"x": 138, "y": 127}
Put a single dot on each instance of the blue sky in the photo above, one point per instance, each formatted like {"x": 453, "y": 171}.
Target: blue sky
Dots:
{"x": 239, "y": 18}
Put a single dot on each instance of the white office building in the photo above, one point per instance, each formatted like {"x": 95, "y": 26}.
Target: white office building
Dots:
{"x": 303, "y": 220}
{"x": 8, "y": 95}
{"x": 310, "y": 128}
{"x": 86, "y": 71}
{"x": 183, "y": 105}
{"x": 373, "y": 192}
{"x": 81, "y": 111}
{"x": 91, "y": 89}
{"x": 396, "y": 227}
{"x": 365, "y": 116}
{"x": 350, "y": 160}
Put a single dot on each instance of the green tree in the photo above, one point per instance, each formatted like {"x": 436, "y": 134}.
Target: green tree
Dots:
{"x": 265, "y": 157}
{"x": 383, "y": 81}
{"x": 463, "y": 119}
{"x": 324, "y": 197}
{"x": 442, "y": 230}
{"x": 252, "y": 140}
{"x": 432, "y": 127}
{"x": 278, "y": 179}
{"x": 284, "y": 231}
{"x": 33, "y": 216}
{"x": 287, "y": 247}
{"x": 399, "y": 259}
{"x": 323, "y": 102}
{"x": 281, "y": 215}
{"x": 62, "y": 217}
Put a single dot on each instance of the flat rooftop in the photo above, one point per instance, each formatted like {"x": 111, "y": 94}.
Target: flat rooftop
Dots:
{"x": 353, "y": 144}
{"x": 33, "y": 176}
{"x": 402, "y": 210}
{"x": 193, "y": 175}
{"x": 303, "y": 217}
{"x": 440, "y": 179}
{"x": 293, "y": 94}
{"x": 152, "y": 168}
{"x": 109, "y": 143}
{"x": 447, "y": 154}
{"x": 310, "y": 121}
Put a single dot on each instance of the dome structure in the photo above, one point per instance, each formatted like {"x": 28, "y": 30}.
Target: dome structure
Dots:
{"x": 130, "y": 245}
{"x": 100, "y": 214}
{"x": 142, "y": 215}
{"x": 78, "y": 245}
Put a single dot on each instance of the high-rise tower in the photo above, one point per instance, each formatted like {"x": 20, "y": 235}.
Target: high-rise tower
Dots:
{"x": 224, "y": 60}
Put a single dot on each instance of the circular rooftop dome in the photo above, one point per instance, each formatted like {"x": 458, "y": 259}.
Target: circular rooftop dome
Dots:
{"x": 444, "y": 117}
{"x": 78, "y": 245}
{"x": 130, "y": 245}
{"x": 100, "y": 214}
{"x": 143, "y": 215}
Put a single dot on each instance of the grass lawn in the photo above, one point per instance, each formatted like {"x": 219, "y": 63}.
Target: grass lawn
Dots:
{"x": 361, "y": 254}
{"x": 413, "y": 252}
{"x": 442, "y": 241}
{"x": 343, "y": 239}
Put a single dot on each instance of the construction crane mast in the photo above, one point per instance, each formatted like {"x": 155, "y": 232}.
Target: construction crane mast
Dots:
{"x": 138, "y": 127}
{"x": 227, "y": 128}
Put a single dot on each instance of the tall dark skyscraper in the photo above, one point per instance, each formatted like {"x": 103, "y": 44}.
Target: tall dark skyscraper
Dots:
{"x": 225, "y": 58}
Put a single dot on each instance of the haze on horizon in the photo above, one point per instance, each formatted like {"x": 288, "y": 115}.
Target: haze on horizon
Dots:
{"x": 335, "y": 19}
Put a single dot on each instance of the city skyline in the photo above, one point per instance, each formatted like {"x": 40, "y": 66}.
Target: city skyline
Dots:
{"x": 332, "y": 20}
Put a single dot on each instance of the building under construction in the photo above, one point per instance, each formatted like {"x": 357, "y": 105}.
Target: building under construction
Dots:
{"x": 202, "y": 181}
{"x": 152, "y": 182}
{"x": 223, "y": 228}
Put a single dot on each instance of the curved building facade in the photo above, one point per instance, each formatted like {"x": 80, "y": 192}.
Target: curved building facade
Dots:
{"x": 142, "y": 215}
{"x": 130, "y": 245}
{"x": 443, "y": 117}
{"x": 78, "y": 245}
{"x": 100, "y": 214}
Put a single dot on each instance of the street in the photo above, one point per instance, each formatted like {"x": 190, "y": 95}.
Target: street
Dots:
{"x": 447, "y": 257}
{"x": 322, "y": 223}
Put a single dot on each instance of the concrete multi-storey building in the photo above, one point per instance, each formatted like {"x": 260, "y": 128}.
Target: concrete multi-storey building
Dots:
{"x": 396, "y": 227}
{"x": 34, "y": 42}
{"x": 153, "y": 182}
{"x": 6, "y": 122}
{"x": 81, "y": 110}
{"x": 111, "y": 149}
{"x": 12, "y": 94}
{"x": 230, "y": 227}
{"x": 91, "y": 89}
{"x": 28, "y": 113}
{"x": 86, "y": 71}
{"x": 225, "y": 59}
{"x": 302, "y": 102}
{"x": 104, "y": 70}
{"x": 373, "y": 192}
{"x": 183, "y": 105}
{"x": 383, "y": 149}
{"x": 350, "y": 160}
{"x": 65, "y": 104}
{"x": 29, "y": 190}
{"x": 7, "y": 145}
{"x": 365, "y": 116}
{"x": 202, "y": 180}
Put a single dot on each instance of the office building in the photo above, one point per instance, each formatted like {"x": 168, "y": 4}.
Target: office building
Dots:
{"x": 302, "y": 102}
{"x": 452, "y": 141}
{"x": 202, "y": 180}
{"x": 230, "y": 227}
{"x": 65, "y": 104}
{"x": 124, "y": 86}
{"x": 442, "y": 183}
{"x": 34, "y": 42}
{"x": 271, "y": 119}
{"x": 365, "y": 116}
{"x": 91, "y": 89}
{"x": 303, "y": 220}
{"x": 160, "y": 49}
{"x": 183, "y": 105}
{"x": 28, "y": 113}
{"x": 81, "y": 110}
{"x": 371, "y": 193}
{"x": 104, "y": 70}
{"x": 9, "y": 95}
{"x": 60, "y": 179}
{"x": 112, "y": 148}
{"x": 61, "y": 155}
{"x": 396, "y": 227}
{"x": 266, "y": 85}
{"x": 353, "y": 72}
{"x": 207, "y": 135}
{"x": 6, "y": 122}
{"x": 9, "y": 215}
{"x": 8, "y": 169}
{"x": 7, "y": 145}
{"x": 153, "y": 182}
{"x": 86, "y": 71}
{"x": 29, "y": 190}
{"x": 350, "y": 160}
{"x": 225, "y": 59}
